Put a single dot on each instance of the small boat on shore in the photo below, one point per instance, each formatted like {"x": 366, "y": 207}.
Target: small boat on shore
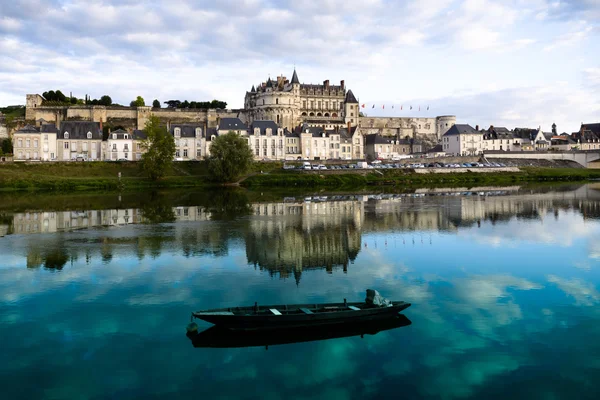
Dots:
{"x": 278, "y": 316}
{"x": 220, "y": 337}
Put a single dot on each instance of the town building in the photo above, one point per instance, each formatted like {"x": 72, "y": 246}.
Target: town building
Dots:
{"x": 588, "y": 137}
{"x": 267, "y": 140}
{"x": 138, "y": 144}
{"x": 190, "y": 141}
{"x": 26, "y": 144}
{"x": 118, "y": 146}
{"x": 79, "y": 140}
{"x": 462, "y": 140}
{"x": 379, "y": 147}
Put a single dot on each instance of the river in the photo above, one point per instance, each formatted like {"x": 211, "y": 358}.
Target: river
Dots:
{"x": 96, "y": 293}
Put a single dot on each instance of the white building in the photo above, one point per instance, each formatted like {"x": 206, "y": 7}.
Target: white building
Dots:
{"x": 462, "y": 140}
{"x": 267, "y": 140}
{"x": 119, "y": 146}
{"x": 190, "y": 141}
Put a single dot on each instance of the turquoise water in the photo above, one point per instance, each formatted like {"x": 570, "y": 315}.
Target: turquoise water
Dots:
{"x": 503, "y": 284}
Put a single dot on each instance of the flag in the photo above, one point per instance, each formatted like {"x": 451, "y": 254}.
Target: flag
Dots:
{"x": 427, "y": 108}
{"x": 363, "y": 106}
{"x": 411, "y": 107}
{"x": 401, "y": 108}
{"x": 383, "y": 106}
{"x": 373, "y": 106}
{"x": 419, "y": 108}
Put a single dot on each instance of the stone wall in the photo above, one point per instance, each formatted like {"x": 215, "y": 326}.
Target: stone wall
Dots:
{"x": 129, "y": 117}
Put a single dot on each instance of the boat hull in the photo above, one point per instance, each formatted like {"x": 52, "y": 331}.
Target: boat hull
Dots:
{"x": 263, "y": 320}
{"x": 220, "y": 337}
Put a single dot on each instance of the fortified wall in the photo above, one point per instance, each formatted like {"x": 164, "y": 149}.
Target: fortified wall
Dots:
{"x": 127, "y": 117}
{"x": 429, "y": 130}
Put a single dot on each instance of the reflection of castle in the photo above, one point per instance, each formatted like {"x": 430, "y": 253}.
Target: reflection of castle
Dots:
{"x": 288, "y": 238}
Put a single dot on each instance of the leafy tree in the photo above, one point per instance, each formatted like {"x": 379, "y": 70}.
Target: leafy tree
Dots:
{"x": 160, "y": 149}
{"x": 6, "y": 146}
{"x": 185, "y": 104}
{"x": 60, "y": 96}
{"x": 173, "y": 103}
{"x": 156, "y": 103}
{"x": 138, "y": 102}
{"x": 73, "y": 100}
{"x": 105, "y": 100}
{"x": 230, "y": 157}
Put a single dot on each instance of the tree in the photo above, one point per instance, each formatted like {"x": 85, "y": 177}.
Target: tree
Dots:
{"x": 156, "y": 103}
{"x": 160, "y": 149}
{"x": 230, "y": 157}
{"x": 60, "y": 96}
{"x": 173, "y": 103}
{"x": 105, "y": 100}
{"x": 138, "y": 102}
{"x": 7, "y": 147}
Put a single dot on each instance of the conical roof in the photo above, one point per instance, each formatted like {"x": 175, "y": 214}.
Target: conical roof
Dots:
{"x": 295, "y": 77}
{"x": 269, "y": 83}
{"x": 252, "y": 90}
{"x": 350, "y": 97}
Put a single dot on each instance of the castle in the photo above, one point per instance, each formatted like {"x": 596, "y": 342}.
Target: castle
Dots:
{"x": 288, "y": 103}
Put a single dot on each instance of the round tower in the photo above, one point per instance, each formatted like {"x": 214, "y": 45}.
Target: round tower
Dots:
{"x": 443, "y": 124}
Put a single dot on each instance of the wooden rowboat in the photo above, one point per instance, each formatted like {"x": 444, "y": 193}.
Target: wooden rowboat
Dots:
{"x": 278, "y": 316}
{"x": 220, "y": 337}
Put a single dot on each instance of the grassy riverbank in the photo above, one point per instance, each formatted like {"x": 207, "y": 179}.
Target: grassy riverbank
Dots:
{"x": 411, "y": 179}
{"x": 103, "y": 176}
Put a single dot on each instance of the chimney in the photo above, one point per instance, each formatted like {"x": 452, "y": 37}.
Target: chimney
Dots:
{"x": 477, "y": 128}
{"x": 326, "y": 84}
{"x": 349, "y": 127}
{"x": 101, "y": 130}
{"x": 342, "y": 84}
{"x": 205, "y": 133}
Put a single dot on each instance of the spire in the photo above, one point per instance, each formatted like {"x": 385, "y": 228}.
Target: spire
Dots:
{"x": 350, "y": 97}
{"x": 269, "y": 83}
{"x": 295, "y": 78}
{"x": 252, "y": 90}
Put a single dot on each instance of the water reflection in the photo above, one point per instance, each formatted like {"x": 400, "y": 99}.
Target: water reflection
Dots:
{"x": 220, "y": 337}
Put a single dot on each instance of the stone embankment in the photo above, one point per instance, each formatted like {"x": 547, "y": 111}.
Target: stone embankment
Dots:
{"x": 527, "y": 162}
{"x": 465, "y": 170}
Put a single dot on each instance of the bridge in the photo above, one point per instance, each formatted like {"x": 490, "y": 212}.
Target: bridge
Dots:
{"x": 587, "y": 158}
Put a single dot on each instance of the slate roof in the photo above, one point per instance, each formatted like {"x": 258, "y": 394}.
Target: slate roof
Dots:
{"x": 295, "y": 77}
{"x": 350, "y": 98}
{"x": 253, "y": 89}
{"x": 139, "y": 134}
{"x": 120, "y": 134}
{"x": 79, "y": 130}
{"x": 269, "y": 83}
{"x": 48, "y": 128}
{"x": 210, "y": 132}
{"x": 461, "y": 129}
{"x": 587, "y": 136}
{"x": 28, "y": 129}
{"x": 378, "y": 139}
{"x": 187, "y": 130}
{"x": 436, "y": 149}
{"x": 231, "y": 124}
{"x": 287, "y": 133}
{"x": 263, "y": 125}
{"x": 594, "y": 128}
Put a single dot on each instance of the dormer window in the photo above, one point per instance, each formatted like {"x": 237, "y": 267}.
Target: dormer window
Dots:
{"x": 177, "y": 132}
{"x": 213, "y": 137}
{"x": 126, "y": 136}
{"x": 66, "y": 135}
{"x": 257, "y": 131}
{"x": 114, "y": 136}
{"x": 89, "y": 135}
{"x": 198, "y": 132}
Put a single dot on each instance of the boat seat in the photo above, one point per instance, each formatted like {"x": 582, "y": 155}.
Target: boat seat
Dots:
{"x": 275, "y": 311}
{"x": 305, "y": 310}
{"x": 354, "y": 308}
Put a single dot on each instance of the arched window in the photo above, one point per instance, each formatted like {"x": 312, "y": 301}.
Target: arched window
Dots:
{"x": 304, "y": 114}
{"x": 89, "y": 135}
{"x": 126, "y": 136}
{"x": 312, "y": 114}
{"x": 66, "y": 135}
{"x": 319, "y": 115}
{"x": 327, "y": 114}
{"x": 334, "y": 115}
{"x": 198, "y": 132}
{"x": 276, "y": 101}
{"x": 263, "y": 102}
{"x": 177, "y": 132}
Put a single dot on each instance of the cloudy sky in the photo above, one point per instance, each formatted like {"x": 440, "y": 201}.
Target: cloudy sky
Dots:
{"x": 500, "y": 62}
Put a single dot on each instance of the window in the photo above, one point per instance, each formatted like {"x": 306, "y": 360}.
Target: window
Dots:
{"x": 139, "y": 146}
{"x": 265, "y": 151}
{"x": 198, "y": 153}
{"x": 89, "y": 135}
{"x": 126, "y": 147}
{"x": 66, "y": 145}
{"x": 257, "y": 151}
{"x": 273, "y": 151}
{"x": 35, "y": 143}
{"x": 20, "y": 141}
{"x": 263, "y": 102}
{"x": 185, "y": 153}
{"x": 352, "y": 114}
{"x": 66, "y": 135}
{"x": 27, "y": 155}
{"x": 304, "y": 104}
{"x": 177, "y": 132}
{"x": 265, "y": 142}
{"x": 114, "y": 135}
{"x": 20, "y": 155}
{"x": 198, "y": 132}
{"x": 27, "y": 142}
{"x": 114, "y": 147}
{"x": 276, "y": 101}
{"x": 177, "y": 153}
{"x": 85, "y": 146}
{"x": 126, "y": 136}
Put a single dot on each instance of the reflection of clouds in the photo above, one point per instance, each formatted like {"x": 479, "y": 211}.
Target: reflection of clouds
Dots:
{"x": 570, "y": 228}
{"x": 584, "y": 293}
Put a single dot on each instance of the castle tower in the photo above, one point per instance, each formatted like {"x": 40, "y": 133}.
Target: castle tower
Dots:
{"x": 351, "y": 111}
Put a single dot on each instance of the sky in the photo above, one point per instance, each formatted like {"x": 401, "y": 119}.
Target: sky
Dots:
{"x": 513, "y": 63}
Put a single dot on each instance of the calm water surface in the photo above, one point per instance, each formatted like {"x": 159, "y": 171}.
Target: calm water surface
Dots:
{"x": 504, "y": 284}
